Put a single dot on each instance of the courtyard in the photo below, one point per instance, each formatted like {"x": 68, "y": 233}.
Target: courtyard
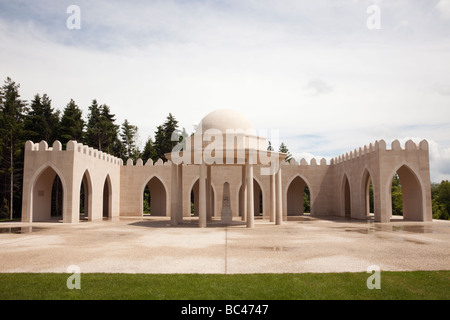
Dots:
{"x": 303, "y": 244}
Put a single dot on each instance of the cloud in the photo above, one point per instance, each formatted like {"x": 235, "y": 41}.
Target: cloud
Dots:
{"x": 307, "y": 68}
{"x": 442, "y": 89}
{"x": 317, "y": 87}
{"x": 444, "y": 8}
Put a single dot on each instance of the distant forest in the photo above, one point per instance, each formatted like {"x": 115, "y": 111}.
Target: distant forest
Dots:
{"x": 37, "y": 120}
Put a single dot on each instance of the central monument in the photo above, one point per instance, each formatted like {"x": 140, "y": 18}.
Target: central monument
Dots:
{"x": 226, "y": 137}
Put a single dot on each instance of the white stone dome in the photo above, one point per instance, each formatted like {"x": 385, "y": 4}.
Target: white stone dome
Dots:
{"x": 226, "y": 119}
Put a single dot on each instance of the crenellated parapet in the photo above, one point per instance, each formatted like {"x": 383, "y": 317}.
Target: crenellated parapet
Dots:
{"x": 303, "y": 162}
{"x": 149, "y": 163}
{"x": 380, "y": 146}
{"x": 72, "y": 146}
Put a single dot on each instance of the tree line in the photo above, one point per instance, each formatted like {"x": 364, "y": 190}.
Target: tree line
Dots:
{"x": 38, "y": 120}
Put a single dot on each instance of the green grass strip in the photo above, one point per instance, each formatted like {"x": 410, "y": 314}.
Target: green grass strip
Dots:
{"x": 422, "y": 285}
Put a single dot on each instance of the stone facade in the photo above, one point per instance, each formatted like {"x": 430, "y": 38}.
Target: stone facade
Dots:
{"x": 112, "y": 189}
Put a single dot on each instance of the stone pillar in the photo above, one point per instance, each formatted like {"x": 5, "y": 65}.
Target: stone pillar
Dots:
{"x": 244, "y": 194}
{"x": 279, "y": 201}
{"x": 174, "y": 195}
{"x": 202, "y": 197}
{"x": 226, "y": 215}
{"x": 250, "y": 191}
{"x": 273, "y": 198}
{"x": 208, "y": 194}
{"x": 179, "y": 213}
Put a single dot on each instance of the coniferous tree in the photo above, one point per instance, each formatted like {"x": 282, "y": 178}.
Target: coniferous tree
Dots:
{"x": 164, "y": 141}
{"x": 128, "y": 135}
{"x": 149, "y": 151}
{"x": 159, "y": 144}
{"x": 93, "y": 131}
{"x": 41, "y": 122}
{"x": 110, "y": 132}
{"x": 284, "y": 149}
{"x": 102, "y": 132}
{"x": 72, "y": 123}
{"x": 12, "y": 110}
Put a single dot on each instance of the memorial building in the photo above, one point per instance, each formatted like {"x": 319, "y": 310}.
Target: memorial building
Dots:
{"x": 224, "y": 172}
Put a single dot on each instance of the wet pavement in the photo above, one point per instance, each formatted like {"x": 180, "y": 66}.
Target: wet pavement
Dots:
{"x": 152, "y": 245}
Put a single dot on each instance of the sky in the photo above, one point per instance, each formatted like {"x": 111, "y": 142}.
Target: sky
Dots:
{"x": 327, "y": 76}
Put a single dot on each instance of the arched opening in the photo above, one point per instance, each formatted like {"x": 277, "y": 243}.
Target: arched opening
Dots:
{"x": 154, "y": 198}
{"x": 107, "y": 198}
{"x": 367, "y": 192}
{"x": 347, "y": 204}
{"x": 85, "y": 197}
{"x": 194, "y": 199}
{"x": 406, "y": 195}
{"x": 48, "y": 195}
{"x": 257, "y": 199}
{"x": 298, "y": 197}
{"x": 146, "y": 201}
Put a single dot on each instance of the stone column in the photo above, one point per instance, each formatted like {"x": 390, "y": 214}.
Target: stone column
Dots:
{"x": 279, "y": 200}
{"x": 244, "y": 194}
{"x": 179, "y": 213}
{"x": 250, "y": 203}
{"x": 273, "y": 198}
{"x": 208, "y": 194}
{"x": 202, "y": 197}
{"x": 174, "y": 195}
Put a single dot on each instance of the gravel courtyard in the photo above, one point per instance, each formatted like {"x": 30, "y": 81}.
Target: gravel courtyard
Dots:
{"x": 151, "y": 245}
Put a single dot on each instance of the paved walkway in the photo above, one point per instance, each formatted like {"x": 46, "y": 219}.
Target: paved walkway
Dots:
{"x": 151, "y": 245}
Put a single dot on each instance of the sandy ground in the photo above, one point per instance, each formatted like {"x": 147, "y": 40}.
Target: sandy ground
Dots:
{"x": 151, "y": 245}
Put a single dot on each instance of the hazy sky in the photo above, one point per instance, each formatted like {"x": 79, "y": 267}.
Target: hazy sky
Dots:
{"x": 311, "y": 69}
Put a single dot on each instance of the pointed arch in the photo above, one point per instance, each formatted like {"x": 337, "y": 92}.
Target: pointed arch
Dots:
{"x": 41, "y": 192}
{"x": 86, "y": 195}
{"x": 368, "y": 203}
{"x": 158, "y": 196}
{"x": 295, "y": 195}
{"x": 107, "y": 198}
{"x": 346, "y": 199}
{"x": 412, "y": 193}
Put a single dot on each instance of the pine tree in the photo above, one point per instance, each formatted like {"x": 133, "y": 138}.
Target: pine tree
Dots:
{"x": 102, "y": 132}
{"x": 159, "y": 144}
{"x": 284, "y": 149}
{"x": 149, "y": 151}
{"x": 12, "y": 109}
{"x": 72, "y": 124}
{"x": 41, "y": 122}
{"x": 110, "y": 132}
{"x": 163, "y": 137}
{"x": 128, "y": 135}
{"x": 93, "y": 131}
